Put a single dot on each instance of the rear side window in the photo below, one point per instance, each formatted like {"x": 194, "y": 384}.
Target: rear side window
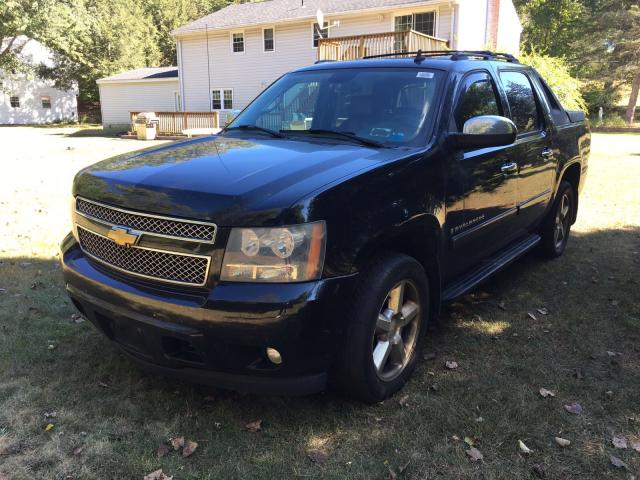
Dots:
{"x": 478, "y": 97}
{"x": 524, "y": 110}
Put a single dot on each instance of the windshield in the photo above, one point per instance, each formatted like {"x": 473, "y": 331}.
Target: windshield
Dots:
{"x": 379, "y": 105}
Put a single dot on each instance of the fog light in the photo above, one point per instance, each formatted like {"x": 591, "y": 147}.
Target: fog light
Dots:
{"x": 274, "y": 356}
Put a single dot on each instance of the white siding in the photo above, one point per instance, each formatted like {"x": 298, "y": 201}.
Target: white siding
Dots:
{"x": 118, "y": 99}
{"x": 250, "y": 72}
{"x": 509, "y": 29}
{"x": 64, "y": 105}
{"x": 471, "y": 25}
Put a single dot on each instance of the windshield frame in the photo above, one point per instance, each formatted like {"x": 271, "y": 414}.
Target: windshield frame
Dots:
{"x": 424, "y": 136}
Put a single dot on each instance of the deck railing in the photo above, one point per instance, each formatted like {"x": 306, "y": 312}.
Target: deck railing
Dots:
{"x": 178, "y": 122}
{"x": 358, "y": 46}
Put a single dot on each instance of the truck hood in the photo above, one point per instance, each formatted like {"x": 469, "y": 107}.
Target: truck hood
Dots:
{"x": 227, "y": 180}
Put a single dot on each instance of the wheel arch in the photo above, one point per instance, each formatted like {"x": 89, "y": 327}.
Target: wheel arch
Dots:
{"x": 571, "y": 173}
{"x": 420, "y": 238}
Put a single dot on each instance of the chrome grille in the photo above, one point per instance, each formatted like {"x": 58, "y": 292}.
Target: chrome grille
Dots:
{"x": 144, "y": 262}
{"x": 164, "y": 226}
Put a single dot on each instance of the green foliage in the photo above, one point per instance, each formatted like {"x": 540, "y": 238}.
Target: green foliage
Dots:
{"x": 599, "y": 94}
{"x": 95, "y": 38}
{"x": 550, "y": 26}
{"x": 557, "y": 74}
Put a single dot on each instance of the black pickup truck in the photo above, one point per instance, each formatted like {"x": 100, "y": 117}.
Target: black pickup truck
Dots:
{"x": 312, "y": 240}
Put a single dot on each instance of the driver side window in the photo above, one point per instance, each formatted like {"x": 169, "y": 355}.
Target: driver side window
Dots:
{"x": 478, "y": 97}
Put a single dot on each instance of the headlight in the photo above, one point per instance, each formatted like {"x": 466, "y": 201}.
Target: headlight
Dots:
{"x": 279, "y": 254}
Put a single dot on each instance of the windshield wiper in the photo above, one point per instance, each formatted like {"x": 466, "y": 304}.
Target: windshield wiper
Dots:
{"x": 339, "y": 133}
{"x": 273, "y": 133}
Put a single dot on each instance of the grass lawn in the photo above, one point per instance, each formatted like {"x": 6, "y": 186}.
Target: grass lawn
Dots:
{"x": 71, "y": 407}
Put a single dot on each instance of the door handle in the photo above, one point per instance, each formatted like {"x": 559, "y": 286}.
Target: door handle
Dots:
{"x": 547, "y": 153}
{"x": 508, "y": 168}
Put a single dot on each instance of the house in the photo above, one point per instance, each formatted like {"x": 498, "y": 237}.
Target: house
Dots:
{"x": 140, "y": 90}
{"x": 27, "y": 99}
{"x": 226, "y": 58}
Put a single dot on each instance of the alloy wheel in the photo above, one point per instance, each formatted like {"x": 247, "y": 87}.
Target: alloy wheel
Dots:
{"x": 396, "y": 332}
{"x": 561, "y": 229}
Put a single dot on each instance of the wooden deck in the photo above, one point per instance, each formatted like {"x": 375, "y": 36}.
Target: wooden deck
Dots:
{"x": 175, "y": 123}
{"x": 359, "y": 46}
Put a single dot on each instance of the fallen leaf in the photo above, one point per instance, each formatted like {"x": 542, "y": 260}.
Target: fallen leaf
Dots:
{"x": 613, "y": 354}
{"x": 77, "y": 451}
{"x": 404, "y": 401}
{"x": 619, "y": 441}
{"x": 474, "y": 454}
{"x": 636, "y": 445}
{"x": 157, "y": 475}
{"x": 317, "y": 456}
{"x": 546, "y": 393}
{"x": 163, "y": 450}
{"x": 523, "y": 448}
{"x": 177, "y": 442}
{"x": 531, "y": 316}
{"x": 402, "y": 468}
{"x": 254, "y": 426}
{"x": 49, "y": 427}
{"x": 616, "y": 462}
{"x": 451, "y": 364}
{"x": 563, "y": 442}
{"x": 189, "y": 448}
{"x": 469, "y": 441}
{"x": 574, "y": 408}
{"x": 103, "y": 384}
{"x": 52, "y": 414}
{"x": 609, "y": 393}
{"x": 77, "y": 318}
{"x": 543, "y": 311}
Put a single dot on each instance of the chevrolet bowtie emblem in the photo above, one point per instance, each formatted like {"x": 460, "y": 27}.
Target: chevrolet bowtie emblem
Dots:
{"x": 123, "y": 236}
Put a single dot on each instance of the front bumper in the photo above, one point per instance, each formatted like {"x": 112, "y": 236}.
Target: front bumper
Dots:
{"x": 215, "y": 336}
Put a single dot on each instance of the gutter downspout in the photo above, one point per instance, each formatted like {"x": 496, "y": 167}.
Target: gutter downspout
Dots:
{"x": 180, "y": 76}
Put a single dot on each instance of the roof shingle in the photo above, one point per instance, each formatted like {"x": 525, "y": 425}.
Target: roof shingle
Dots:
{"x": 272, "y": 11}
{"x": 148, "y": 73}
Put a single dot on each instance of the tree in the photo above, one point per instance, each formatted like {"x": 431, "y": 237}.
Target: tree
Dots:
{"x": 40, "y": 20}
{"x": 609, "y": 50}
{"x": 550, "y": 26}
{"x": 167, "y": 15}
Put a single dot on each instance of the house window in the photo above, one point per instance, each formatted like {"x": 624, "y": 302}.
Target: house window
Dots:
{"x": 420, "y": 22}
{"x": 46, "y": 101}
{"x": 237, "y": 42}
{"x": 268, "y": 37}
{"x": 15, "y": 102}
{"x": 319, "y": 33}
{"x": 222, "y": 99}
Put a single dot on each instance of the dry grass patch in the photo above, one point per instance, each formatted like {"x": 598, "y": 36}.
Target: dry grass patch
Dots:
{"x": 119, "y": 417}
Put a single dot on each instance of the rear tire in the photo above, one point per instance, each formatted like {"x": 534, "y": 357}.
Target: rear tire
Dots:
{"x": 557, "y": 226}
{"x": 385, "y": 326}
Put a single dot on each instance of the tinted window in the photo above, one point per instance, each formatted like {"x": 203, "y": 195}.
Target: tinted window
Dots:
{"x": 524, "y": 111}
{"x": 391, "y": 106}
{"x": 478, "y": 98}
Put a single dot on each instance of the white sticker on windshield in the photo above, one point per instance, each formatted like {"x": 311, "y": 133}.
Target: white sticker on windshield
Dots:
{"x": 425, "y": 75}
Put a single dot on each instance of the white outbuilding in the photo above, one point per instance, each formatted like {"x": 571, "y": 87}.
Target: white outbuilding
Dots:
{"x": 27, "y": 99}
{"x": 141, "y": 90}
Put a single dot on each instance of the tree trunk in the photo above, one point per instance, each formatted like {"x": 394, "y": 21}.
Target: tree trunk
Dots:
{"x": 633, "y": 100}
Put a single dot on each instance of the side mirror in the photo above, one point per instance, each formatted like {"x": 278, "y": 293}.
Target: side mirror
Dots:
{"x": 485, "y": 131}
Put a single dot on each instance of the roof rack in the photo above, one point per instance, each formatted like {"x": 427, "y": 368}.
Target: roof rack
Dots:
{"x": 420, "y": 55}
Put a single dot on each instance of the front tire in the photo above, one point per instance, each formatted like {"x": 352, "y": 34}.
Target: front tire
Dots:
{"x": 385, "y": 325}
{"x": 557, "y": 226}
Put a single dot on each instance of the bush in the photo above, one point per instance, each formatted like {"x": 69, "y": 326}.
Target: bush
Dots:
{"x": 597, "y": 94}
{"x": 556, "y": 73}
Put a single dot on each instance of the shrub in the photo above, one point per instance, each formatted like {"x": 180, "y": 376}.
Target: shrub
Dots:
{"x": 555, "y": 71}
